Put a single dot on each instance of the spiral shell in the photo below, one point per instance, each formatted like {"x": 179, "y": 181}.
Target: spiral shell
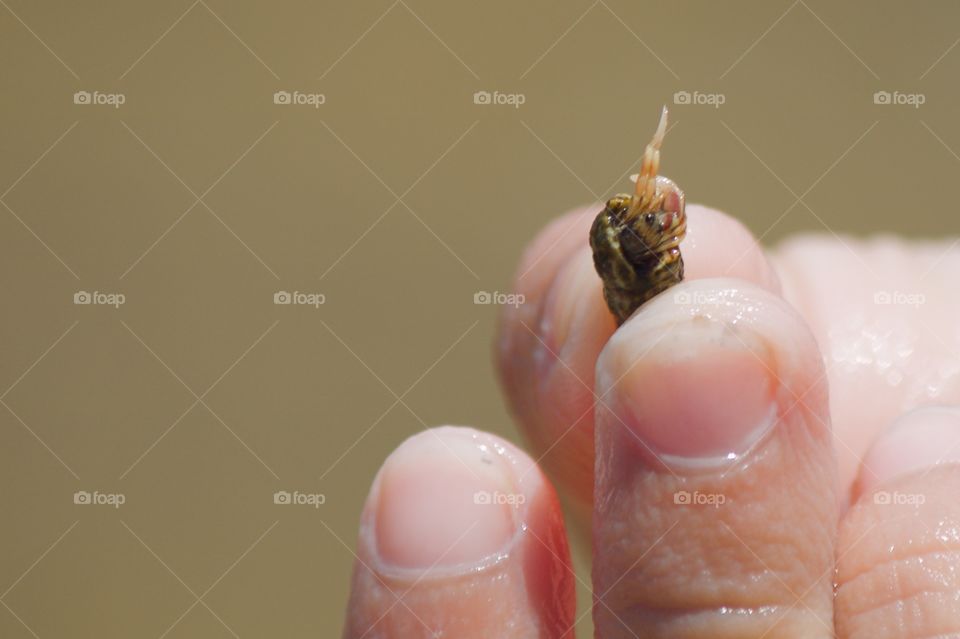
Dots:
{"x": 635, "y": 239}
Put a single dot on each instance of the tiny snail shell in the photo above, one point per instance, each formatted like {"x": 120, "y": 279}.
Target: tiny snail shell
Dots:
{"x": 635, "y": 238}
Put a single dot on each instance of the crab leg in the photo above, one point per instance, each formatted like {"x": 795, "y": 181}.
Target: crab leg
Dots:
{"x": 646, "y": 189}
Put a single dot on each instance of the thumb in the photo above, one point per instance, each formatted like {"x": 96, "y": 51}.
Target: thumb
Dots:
{"x": 715, "y": 476}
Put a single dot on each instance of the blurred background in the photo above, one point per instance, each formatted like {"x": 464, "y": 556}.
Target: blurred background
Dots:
{"x": 242, "y": 242}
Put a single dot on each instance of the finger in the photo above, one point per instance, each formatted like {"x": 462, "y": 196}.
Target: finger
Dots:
{"x": 885, "y": 314}
{"x": 898, "y": 566}
{"x": 715, "y": 508}
{"x": 560, "y": 435}
{"x": 549, "y": 345}
{"x": 461, "y": 536}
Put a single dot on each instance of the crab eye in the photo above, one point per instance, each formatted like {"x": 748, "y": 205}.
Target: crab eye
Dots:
{"x": 649, "y": 218}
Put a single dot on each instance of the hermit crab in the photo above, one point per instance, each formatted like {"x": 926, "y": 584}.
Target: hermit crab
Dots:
{"x": 636, "y": 238}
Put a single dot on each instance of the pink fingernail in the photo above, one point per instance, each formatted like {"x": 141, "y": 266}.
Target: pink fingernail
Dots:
{"x": 569, "y": 317}
{"x": 919, "y": 440}
{"x": 446, "y": 497}
{"x": 702, "y": 394}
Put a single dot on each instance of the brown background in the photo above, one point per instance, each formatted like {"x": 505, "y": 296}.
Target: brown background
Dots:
{"x": 295, "y": 198}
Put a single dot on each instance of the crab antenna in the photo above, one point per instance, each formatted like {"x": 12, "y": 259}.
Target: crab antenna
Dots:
{"x": 646, "y": 187}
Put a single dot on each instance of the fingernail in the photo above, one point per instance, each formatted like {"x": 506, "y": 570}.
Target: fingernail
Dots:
{"x": 446, "y": 497}
{"x": 919, "y": 440}
{"x": 575, "y": 320}
{"x": 699, "y": 392}
{"x": 559, "y": 313}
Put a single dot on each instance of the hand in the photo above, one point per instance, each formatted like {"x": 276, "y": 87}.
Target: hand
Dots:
{"x": 697, "y": 437}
